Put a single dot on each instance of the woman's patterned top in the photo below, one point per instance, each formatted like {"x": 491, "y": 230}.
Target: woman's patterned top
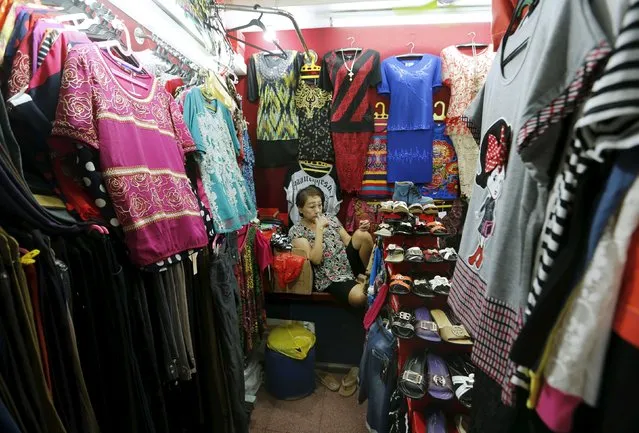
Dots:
{"x": 314, "y": 107}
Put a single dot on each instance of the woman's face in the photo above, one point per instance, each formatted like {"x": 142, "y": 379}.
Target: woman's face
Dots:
{"x": 312, "y": 208}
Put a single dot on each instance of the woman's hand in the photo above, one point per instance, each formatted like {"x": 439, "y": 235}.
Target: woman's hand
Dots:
{"x": 321, "y": 223}
{"x": 364, "y": 225}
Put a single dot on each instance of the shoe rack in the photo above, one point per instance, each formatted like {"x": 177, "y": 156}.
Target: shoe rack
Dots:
{"x": 418, "y": 409}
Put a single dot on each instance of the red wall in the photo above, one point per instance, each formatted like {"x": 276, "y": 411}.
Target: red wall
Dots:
{"x": 388, "y": 41}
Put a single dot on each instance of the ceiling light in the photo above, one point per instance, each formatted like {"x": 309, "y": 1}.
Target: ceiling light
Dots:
{"x": 269, "y": 34}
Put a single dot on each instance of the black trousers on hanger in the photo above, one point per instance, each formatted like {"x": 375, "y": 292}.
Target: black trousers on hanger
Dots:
{"x": 226, "y": 299}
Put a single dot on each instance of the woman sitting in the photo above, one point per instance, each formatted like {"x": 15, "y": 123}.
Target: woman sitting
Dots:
{"x": 336, "y": 256}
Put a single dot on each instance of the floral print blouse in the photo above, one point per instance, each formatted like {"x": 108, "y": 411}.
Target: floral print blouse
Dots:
{"x": 335, "y": 266}
{"x": 464, "y": 75}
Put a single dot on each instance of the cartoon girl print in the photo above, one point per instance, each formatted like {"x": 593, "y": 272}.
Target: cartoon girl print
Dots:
{"x": 493, "y": 158}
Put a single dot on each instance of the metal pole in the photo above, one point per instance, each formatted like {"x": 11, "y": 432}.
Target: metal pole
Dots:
{"x": 268, "y": 10}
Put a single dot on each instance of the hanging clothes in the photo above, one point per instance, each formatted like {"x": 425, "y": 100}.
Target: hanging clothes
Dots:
{"x": 314, "y": 107}
{"x": 216, "y": 141}
{"x": 375, "y": 182}
{"x": 491, "y": 280}
{"x": 410, "y": 85}
{"x": 464, "y": 75}
{"x": 273, "y": 80}
{"x": 149, "y": 189}
{"x": 445, "y": 183}
{"x": 351, "y": 111}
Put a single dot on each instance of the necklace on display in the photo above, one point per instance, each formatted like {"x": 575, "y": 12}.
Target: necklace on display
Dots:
{"x": 351, "y": 74}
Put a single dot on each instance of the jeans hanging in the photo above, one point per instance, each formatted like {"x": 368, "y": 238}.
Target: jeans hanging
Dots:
{"x": 377, "y": 374}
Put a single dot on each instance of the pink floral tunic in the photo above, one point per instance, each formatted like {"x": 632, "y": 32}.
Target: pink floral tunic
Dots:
{"x": 142, "y": 141}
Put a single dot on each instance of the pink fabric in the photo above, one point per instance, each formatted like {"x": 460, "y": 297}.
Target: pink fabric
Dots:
{"x": 556, "y": 409}
{"x": 263, "y": 251}
{"x": 142, "y": 141}
{"x": 377, "y": 306}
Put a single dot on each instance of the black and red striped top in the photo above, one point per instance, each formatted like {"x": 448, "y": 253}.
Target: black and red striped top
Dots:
{"x": 352, "y": 109}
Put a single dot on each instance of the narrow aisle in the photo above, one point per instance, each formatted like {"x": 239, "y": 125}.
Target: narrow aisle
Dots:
{"x": 322, "y": 412}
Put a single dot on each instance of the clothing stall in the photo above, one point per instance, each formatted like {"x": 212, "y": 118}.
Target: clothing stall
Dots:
{"x": 306, "y": 216}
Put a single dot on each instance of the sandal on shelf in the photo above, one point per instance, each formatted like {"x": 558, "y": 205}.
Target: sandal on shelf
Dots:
{"x": 412, "y": 382}
{"x": 349, "y": 383}
{"x": 414, "y": 254}
{"x": 425, "y": 328}
{"x": 403, "y": 228}
{"x": 462, "y": 373}
{"x": 400, "y": 284}
{"x": 422, "y": 288}
{"x": 386, "y": 206}
{"x": 415, "y": 209}
{"x": 402, "y": 324}
{"x": 449, "y": 254}
{"x": 455, "y": 334}
{"x": 437, "y": 229}
{"x": 432, "y": 256}
{"x": 327, "y": 379}
{"x": 421, "y": 228}
{"x": 439, "y": 384}
{"x": 440, "y": 285}
{"x": 400, "y": 207}
{"x": 395, "y": 254}
{"x": 430, "y": 209}
{"x": 384, "y": 230}
{"x": 437, "y": 422}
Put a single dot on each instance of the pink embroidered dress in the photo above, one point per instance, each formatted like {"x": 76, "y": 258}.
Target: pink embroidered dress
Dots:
{"x": 142, "y": 141}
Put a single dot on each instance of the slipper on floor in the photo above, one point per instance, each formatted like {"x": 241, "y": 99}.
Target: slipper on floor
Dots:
{"x": 349, "y": 383}
{"x": 439, "y": 384}
{"x": 327, "y": 379}
{"x": 462, "y": 422}
{"x": 455, "y": 334}
{"x": 351, "y": 377}
{"x": 412, "y": 382}
{"x": 437, "y": 423}
{"x": 425, "y": 328}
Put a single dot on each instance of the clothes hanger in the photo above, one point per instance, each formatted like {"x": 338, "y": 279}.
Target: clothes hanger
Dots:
{"x": 410, "y": 55}
{"x": 310, "y": 70}
{"x": 524, "y": 5}
{"x": 351, "y": 48}
{"x": 472, "y": 43}
{"x": 317, "y": 164}
{"x": 307, "y": 167}
{"x": 257, "y": 23}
